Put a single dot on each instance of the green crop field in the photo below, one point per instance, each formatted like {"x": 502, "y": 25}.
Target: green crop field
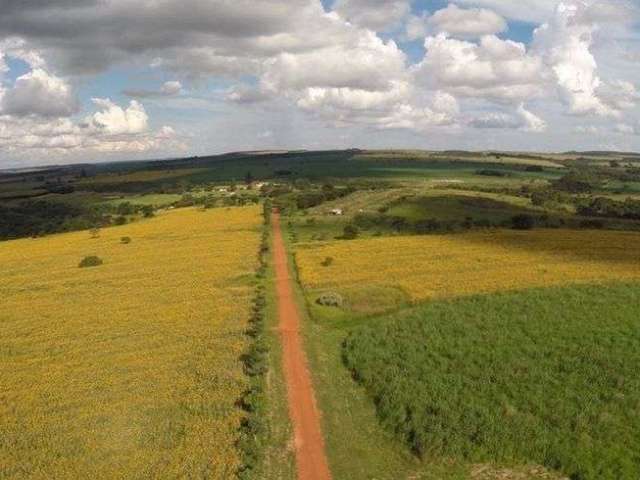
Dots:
{"x": 544, "y": 376}
{"x": 458, "y": 207}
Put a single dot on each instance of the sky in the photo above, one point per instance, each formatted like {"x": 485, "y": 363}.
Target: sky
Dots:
{"x": 107, "y": 80}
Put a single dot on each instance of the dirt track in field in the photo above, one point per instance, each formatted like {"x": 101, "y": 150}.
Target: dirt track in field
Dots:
{"x": 311, "y": 461}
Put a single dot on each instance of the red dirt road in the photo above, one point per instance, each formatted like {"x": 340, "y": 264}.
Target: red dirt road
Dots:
{"x": 311, "y": 460}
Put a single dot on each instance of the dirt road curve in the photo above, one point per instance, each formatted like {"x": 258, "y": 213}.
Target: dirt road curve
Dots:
{"x": 311, "y": 460}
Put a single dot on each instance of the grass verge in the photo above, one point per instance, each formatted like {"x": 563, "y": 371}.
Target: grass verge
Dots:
{"x": 267, "y": 432}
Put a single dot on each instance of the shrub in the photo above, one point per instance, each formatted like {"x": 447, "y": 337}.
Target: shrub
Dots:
{"x": 125, "y": 240}
{"x": 482, "y": 223}
{"x": 147, "y": 211}
{"x": 327, "y": 262}
{"x": 350, "y": 232}
{"x": 541, "y": 197}
{"x": 427, "y": 226}
{"x": 125, "y": 208}
{"x": 492, "y": 173}
{"x": 120, "y": 220}
{"x": 592, "y": 224}
{"x": 523, "y": 222}
{"x": 606, "y": 207}
{"x": 578, "y": 182}
{"x": 90, "y": 261}
{"x": 330, "y": 299}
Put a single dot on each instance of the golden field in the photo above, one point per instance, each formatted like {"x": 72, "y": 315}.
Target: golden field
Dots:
{"x": 130, "y": 369}
{"x": 443, "y": 266}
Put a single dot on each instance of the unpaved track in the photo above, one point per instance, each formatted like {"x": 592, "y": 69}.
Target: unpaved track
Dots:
{"x": 311, "y": 460}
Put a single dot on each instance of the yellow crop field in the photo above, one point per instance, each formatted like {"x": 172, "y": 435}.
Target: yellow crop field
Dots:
{"x": 434, "y": 267}
{"x": 130, "y": 369}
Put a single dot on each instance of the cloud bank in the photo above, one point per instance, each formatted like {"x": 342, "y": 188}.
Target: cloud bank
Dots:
{"x": 347, "y": 68}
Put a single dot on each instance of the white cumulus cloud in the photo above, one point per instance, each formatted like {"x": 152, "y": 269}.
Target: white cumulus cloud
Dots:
{"x": 565, "y": 44}
{"x": 39, "y": 93}
{"x": 374, "y": 14}
{"x": 368, "y": 64}
{"x": 530, "y": 121}
{"x": 168, "y": 89}
{"x": 113, "y": 119}
{"x": 466, "y": 23}
{"x": 534, "y": 11}
{"x": 496, "y": 69}
{"x": 521, "y": 119}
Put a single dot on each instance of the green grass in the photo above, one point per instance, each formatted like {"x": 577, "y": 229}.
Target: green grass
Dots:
{"x": 458, "y": 207}
{"x": 155, "y": 200}
{"x": 20, "y": 190}
{"x": 629, "y": 188}
{"x": 544, "y": 376}
{"x": 414, "y": 204}
{"x": 463, "y": 172}
{"x": 480, "y": 157}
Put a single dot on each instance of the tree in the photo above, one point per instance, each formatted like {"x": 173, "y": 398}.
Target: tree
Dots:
{"x": 541, "y": 197}
{"x": 350, "y": 232}
{"x": 578, "y": 182}
{"x": 147, "y": 211}
{"x": 125, "y": 208}
{"x": 327, "y": 262}
{"x": 90, "y": 261}
{"x": 248, "y": 178}
{"x": 523, "y": 222}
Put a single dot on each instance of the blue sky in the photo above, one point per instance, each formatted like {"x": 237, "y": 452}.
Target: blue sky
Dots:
{"x": 117, "y": 80}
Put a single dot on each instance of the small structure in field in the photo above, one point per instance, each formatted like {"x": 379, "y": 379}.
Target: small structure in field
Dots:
{"x": 337, "y": 211}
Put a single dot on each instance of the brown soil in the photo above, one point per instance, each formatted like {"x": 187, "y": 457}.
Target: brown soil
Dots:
{"x": 311, "y": 460}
